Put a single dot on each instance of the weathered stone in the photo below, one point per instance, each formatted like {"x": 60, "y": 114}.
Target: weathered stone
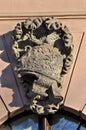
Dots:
{"x": 43, "y": 49}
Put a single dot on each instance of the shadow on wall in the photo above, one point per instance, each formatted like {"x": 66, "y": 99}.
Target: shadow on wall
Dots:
{"x": 9, "y": 89}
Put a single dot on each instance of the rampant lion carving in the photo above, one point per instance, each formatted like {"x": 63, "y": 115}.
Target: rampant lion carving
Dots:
{"x": 43, "y": 49}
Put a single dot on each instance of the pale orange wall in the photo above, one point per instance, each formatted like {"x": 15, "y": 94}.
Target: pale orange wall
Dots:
{"x": 23, "y": 7}
{"x": 71, "y": 12}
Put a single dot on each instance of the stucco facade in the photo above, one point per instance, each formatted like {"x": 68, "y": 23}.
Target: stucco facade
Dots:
{"x": 73, "y": 14}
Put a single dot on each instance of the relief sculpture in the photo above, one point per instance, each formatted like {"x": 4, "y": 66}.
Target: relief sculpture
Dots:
{"x": 44, "y": 54}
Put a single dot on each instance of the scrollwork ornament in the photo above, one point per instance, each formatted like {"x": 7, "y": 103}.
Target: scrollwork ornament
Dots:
{"x": 43, "y": 48}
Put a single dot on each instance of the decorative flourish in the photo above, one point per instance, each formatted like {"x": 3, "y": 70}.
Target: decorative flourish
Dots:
{"x": 43, "y": 49}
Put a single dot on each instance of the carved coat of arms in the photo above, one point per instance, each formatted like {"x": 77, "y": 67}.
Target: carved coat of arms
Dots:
{"x": 43, "y": 50}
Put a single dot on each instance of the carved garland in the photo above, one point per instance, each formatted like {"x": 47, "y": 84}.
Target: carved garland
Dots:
{"x": 43, "y": 49}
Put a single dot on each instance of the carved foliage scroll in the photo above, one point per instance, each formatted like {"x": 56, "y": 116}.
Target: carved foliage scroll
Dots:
{"x": 43, "y": 49}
